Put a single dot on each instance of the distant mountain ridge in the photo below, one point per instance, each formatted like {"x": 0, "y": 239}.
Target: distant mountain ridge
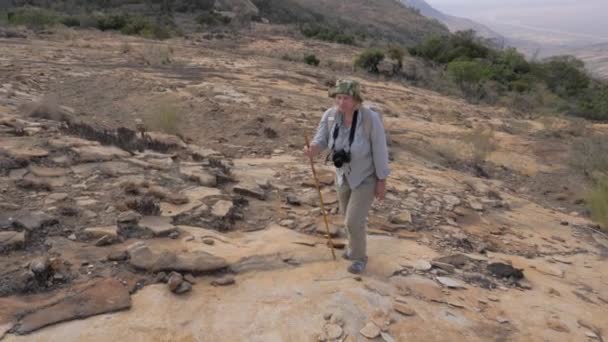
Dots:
{"x": 452, "y": 22}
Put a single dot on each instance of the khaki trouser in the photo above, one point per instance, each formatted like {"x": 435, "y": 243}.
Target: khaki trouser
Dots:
{"x": 355, "y": 205}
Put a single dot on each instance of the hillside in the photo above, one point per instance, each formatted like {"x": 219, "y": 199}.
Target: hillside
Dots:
{"x": 454, "y": 23}
{"x": 157, "y": 191}
{"x": 380, "y": 20}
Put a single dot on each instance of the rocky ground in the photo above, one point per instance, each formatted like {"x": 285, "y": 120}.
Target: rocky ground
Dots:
{"x": 216, "y": 233}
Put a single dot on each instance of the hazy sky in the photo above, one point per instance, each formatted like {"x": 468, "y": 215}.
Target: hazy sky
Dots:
{"x": 587, "y": 17}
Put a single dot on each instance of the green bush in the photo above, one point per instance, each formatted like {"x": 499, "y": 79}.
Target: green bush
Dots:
{"x": 71, "y": 21}
{"x": 564, "y": 75}
{"x": 369, "y": 60}
{"x": 311, "y": 60}
{"x": 326, "y": 33}
{"x": 397, "y": 53}
{"x": 34, "y": 18}
{"x": 112, "y": 22}
{"x": 212, "y": 18}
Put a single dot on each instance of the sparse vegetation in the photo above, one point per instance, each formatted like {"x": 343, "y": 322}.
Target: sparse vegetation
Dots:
{"x": 369, "y": 60}
{"x": 154, "y": 54}
{"x": 597, "y": 202}
{"x": 164, "y": 118}
{"x": 327, "y": 33}
{"x": 481, "y": 144}
{"x": 590, "y": 155}
{"x": 491, "y": 75}
{"x": 311, "y": 59}
{"x": 212, "y": 18}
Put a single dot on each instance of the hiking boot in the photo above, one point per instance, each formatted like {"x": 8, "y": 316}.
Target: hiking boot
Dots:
{"x": 357, "y": 267}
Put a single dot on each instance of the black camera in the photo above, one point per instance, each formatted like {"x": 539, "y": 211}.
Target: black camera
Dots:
{"x": 340, "y": 157}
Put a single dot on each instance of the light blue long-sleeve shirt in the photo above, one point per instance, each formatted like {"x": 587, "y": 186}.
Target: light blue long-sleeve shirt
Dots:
{"x": 369, "y": 152}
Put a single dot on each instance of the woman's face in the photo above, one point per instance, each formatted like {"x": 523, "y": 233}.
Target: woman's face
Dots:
{"x": 346, "y": 103}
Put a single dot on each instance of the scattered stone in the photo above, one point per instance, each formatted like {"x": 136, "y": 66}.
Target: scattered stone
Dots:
{"x": 502, "y": 320}
{"x": 47, "y": 171}
{"x": 99, "y": 232}
{"x": 502, "y": 270}
{"x": 422, "y": 265}
{"x": 288, "y": 223}
{"x": 209, "y": 242}
{"x": 183, "y": 288}
{"x": 190, "y": 278}
{"x": 386, "y": 337}
{"x": 174, "y": 235}
{"x": 337, "y": 319}
{"x": 404, "y": 217}
{"x": 250, "y": 189}
{"x": 129, "y": 217}
{"x": 189, "y": 238}
{"x": 591, "y": 335}
{"x": 199, "y": 175}
{"x": 293, "y": 200}
{"x": 446, "y": 267}
{"x": 549, "y": 270}
{"x": 224, "y": 281}
{"x": 334, "y": 229}
{"x": 476, "y": 205}
{"x": 451, "y": 200}
{"x": 10, "y": 240}
{"x": 34, "y": 184}
{"x": 57, "y": 197}
{"x": 558, "y": 326}
{"x": 404, "y": 309}
{"x": 86, "y": 300}
{"x": 104, "y": 241}
{"x": 27, "y": 153}
{"x": 34, "y": 220}
{"x": 222, "y": 208}
{"x": 194, "y": 262}
{"x": 175, "y": 280}
{"x": 160, "y": 278}
{"x": 89, "y": 214}
{"x": 419, "y": 287}
{"x": 554, "y": 292}
{"x": 562, "y": 260}
{"x": 157, "y": 225}
{"x": 370, "y": 331}
{"x": 457, "y": 260}
{"x": 327, "y": 316}
{"x": 95, "y": 153}
{"x": 333, "y": 331}
{"x": 118, "y": 256}
{"x": 72, "y": 237}
{"x": 451, "y": 283}
{"x": 493, "y": 298}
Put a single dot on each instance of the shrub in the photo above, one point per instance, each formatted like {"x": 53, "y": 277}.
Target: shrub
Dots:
{"x": 481, "y": 144}
{"x": 212, "y": 18}
{"x": 327, "y": 33}
{"x": 164, "y": 118}
{"x": 311, "y": 60}
{"x": 369, "y": 60}
{"x": 397, "y": 53}
{"x": 597, "y": 202}
{"x": 112, "y": 22}
{"x": 33, "y": 18}
{"x": 71, "y": 21}
{"x": 590, "y": 155}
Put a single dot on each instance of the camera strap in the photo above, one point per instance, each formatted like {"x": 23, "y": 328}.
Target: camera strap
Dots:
{"x": 351, "y": 136}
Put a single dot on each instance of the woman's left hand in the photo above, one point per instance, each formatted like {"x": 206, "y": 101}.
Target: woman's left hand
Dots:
{"x": 380, "y": 189}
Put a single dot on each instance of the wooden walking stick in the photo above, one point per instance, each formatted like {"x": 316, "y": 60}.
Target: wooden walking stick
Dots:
{"x": 314, "y": 174}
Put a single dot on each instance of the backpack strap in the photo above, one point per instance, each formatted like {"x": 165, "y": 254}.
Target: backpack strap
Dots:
{"x": 366, "y": 116}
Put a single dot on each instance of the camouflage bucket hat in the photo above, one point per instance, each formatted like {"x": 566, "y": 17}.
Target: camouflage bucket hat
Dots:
{"x": 347, "y": 87}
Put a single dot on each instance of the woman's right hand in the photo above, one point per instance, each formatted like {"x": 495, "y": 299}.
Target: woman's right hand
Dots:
{"x": 311, "y": 151}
